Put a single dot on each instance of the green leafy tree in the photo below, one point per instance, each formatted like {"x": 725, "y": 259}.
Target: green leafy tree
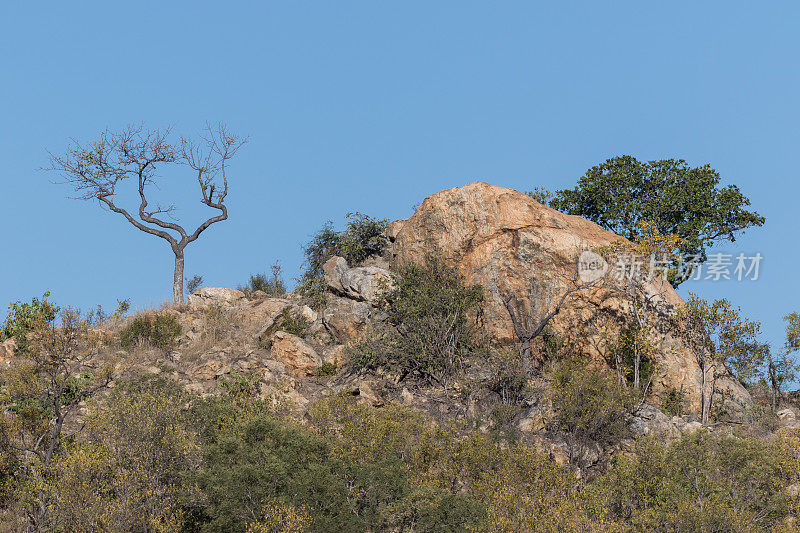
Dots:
{"x": 721, "y": 341}
{"x": 42, "y": 390}
{"x": 24, "y": 317}
{"x": 700, "y": 482}
{"x": 685, "y": 201}
{"x": 782, "y": 367}
{"x": 589, "y": 406}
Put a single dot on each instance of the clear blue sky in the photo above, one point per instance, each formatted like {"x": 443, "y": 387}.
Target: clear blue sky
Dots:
{"x": 371, "y": 106}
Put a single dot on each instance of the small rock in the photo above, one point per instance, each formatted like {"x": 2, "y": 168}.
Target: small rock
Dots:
{"x": 7, "y": 350}
{"x": 786, "y": 415}
{"x": 308, "y": 313}
{"x": 366, "y": 392}
{"x": 333, "y": 270}
{"x": 275, "y": 367}
{"x": 407, "y": 397}
{"x": 210, "y": 370}
{"x": 532, "y": 422}
{"x": 691, "y": 426}
{"x": 334, "y": 354}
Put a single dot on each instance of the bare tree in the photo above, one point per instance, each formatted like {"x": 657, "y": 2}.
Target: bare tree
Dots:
{"x": 98, "y": 170}
{"x": 644, "y": 294}
{"x": 639, "y": 272}
{"x": 549, "y": 289}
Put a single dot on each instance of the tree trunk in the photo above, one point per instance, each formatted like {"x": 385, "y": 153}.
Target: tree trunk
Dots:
{"x": 711, "y": 395}
{"x": 703, "y": 419}
{"x": 527, "y": 365}
{"x": 177, "y": 287}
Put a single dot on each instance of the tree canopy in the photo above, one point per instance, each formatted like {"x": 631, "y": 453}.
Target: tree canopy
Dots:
{"x": 689, "y": 202}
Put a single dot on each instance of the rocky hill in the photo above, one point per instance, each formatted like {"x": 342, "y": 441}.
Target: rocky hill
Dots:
{"x": 495, "y": 236}
{"x": 296, "y": 355}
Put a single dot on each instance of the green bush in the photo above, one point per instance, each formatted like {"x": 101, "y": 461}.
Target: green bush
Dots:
{"x": 273, "y": 284}
{"x": 259, "y": 461}
{"x": 160, "y": 330}
{"x": 429, "y": 331}
{"x": 673, "y": 402}
{"x": 294, "y": 323}
{"x": 25, "y": 317}
{"x": 589, "y": 406}
{"x": 701, "y": 482}
{"x": 362, "y": 237}
{"x": 194, "y": 283}
{"x": 327, "y": 369}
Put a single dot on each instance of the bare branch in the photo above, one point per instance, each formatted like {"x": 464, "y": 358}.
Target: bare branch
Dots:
{"x": 97, "y": 170}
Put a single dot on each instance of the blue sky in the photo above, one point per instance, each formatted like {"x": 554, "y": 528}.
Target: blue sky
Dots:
{"x": 371, "y": 106}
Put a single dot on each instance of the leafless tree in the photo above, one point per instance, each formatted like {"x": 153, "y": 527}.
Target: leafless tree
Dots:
{"x": 644, "y": 292}
{"x": 98, "y": 171}
{"x": 550, "y": 288}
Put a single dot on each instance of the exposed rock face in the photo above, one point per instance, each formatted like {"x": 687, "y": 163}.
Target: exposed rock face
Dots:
{"x": 298, "y": 356}
{"x": 205, "y": 296}
{"x": 360, "y": 283}
{"x": 346, "y": 319}
{"x": 7, "y": 350}
{"x": 494, "y": 235}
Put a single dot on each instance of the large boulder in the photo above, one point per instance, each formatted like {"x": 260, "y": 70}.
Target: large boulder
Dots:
{"x": 298, "y": 356}
{"x": 346, "y": 319}
{"x": 206, "y": 296}
{"x": 495, "y": 236}
{"x": 360, "y": 283}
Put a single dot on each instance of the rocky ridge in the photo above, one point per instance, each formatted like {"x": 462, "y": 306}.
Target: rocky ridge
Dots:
{"x": 491, "y": 234}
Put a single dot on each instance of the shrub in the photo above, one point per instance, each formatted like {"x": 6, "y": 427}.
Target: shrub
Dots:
{"x": 400, "y": 454}
{"x": 674, "y": 401}
{"x": 126, "y": 474}
{"x": 508, "y": 379}
{"x": 313, "y": 292}
{"x": 589, "y": 406}
{"x": 701, "y": 482}
{"x": 363, "y": 236}
{"x": 194, "y": 283}
{"x": 430, "y": 331}
{"x": 25, "y": 317}
{"x": 293, "y": 323}
{"x": 273, "y": 284}
{"x": 322, "y": 246}
{"x": 160, "y": 330}
{"x": 327, "y": 369}
{"x": 123, "y": 306}
{"x": 259, "y": 461}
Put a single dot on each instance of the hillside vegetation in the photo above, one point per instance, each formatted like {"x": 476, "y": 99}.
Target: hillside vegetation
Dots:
{"x": 398, "y": 388}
